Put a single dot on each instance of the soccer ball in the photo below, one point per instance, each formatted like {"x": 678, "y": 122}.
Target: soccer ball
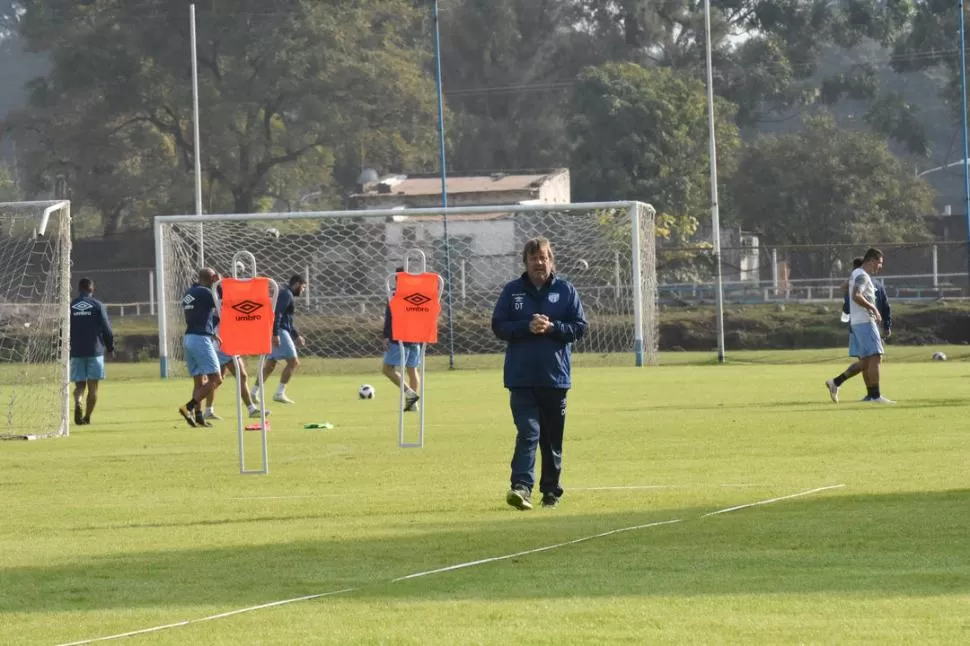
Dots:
{"x": 939, "y": 356}
{"x": 273, "y": 233}
{"x": 582, "y": 265}
{"x": 366, "y": 392}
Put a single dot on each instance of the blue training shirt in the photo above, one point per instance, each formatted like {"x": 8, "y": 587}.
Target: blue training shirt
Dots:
{"x": 285, "y": 306}
{"x": 199, "y": 309}
{"x": 90, "y": 329}
{"x": 533, "y": 360}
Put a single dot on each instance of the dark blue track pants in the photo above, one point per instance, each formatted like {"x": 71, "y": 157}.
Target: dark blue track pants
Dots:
{"x": 540, "y": 416}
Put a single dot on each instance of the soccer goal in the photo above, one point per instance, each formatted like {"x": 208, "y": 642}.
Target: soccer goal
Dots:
{"x": 35, "y": 301}
{"x": 606, "y": 249}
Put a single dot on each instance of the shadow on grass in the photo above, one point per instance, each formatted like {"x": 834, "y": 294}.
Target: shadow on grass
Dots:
{"x": 884, "y": 545}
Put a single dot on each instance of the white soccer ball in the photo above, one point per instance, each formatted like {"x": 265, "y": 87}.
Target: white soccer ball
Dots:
{"x": 26, "y": 323}
{"x": 273, "y": 232}
{"x": 366, "y": 392}
{"x": 582, "y": 265}
{"x": 939, "y": 356}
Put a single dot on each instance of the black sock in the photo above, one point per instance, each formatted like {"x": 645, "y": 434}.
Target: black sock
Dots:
{"x": 838, "y": 381}
{"x": 192, "y": 404}
{"x": 874, "y": 392}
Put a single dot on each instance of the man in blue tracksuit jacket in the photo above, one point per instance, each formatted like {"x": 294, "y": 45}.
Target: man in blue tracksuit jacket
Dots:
{"x": 200, "y": 342}
{"x": 91, "y": 335}
{"x": 540, "y": 316}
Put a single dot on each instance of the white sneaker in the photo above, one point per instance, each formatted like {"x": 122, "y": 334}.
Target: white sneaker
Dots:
{"x": 211, "y": 415}
{"x": 880, "y": 400}
{"x": 254, "y": 414}
{"x": 833, "y": 390}
{"x": 283, "y": 399}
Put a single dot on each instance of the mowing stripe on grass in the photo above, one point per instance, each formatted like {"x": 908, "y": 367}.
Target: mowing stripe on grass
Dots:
{"x": 771, "y": 500}
{"x": 449, "y": 568}
{"x": 667, "y": 486}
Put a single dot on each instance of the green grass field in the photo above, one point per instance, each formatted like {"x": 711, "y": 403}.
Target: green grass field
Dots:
{"x": 138, "y": 521}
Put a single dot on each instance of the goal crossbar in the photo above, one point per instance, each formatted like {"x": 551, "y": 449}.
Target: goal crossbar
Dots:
{"x": 625, "y": 268}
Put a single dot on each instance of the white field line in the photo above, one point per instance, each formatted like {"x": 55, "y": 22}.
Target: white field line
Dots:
{"x": 221, "y": 615}
{"x": 667, "y": 486}
{"x": 604, "y": 488}
{"x": 772, "y": 500}
{"x": 449, "y": 568}
{"x": 533, "y": 551}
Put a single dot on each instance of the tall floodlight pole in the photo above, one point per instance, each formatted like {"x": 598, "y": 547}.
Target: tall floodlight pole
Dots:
{"x": 195, "y": 129}
{"x": 715, "y": 215}
{"x": 444, "y": 185}
{"x": 963, "y": 115}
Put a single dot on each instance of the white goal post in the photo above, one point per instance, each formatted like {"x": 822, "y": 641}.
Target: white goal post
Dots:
{"x": 606, "y": 249}
{"x": 35, "y": 325}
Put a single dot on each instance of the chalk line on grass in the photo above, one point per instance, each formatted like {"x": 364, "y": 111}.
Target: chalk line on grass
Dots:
{"x": 505, "y": 557}
{"x": 221, "y": 615}
{"x": 449, "y": 568}
{"x": 773, "y": 500}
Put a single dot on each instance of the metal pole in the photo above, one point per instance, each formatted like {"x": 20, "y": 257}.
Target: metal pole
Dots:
{"x": 936, "y": 266}
{"x": 195, "y": 132}
{"x": 715, "y": 216}
{"x": 963, "y": 114}
{"x": 444, "y": 186}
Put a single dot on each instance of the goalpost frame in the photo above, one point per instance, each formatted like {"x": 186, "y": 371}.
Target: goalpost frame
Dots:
{"x": 64, "y": 294}
{"x": 634, "y": 208}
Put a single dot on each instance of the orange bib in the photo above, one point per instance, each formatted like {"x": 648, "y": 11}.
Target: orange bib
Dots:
{"x": 246, "y": 317}
{"x": 415, "y": 307}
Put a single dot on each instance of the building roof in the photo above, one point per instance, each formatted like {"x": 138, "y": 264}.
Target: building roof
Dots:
{"x": 431, "y": 184}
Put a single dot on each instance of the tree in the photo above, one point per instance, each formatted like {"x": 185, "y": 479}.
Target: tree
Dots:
{"x": 825, "y": 186}
{"x": 507, "y": 66}
{"x": 290, "y": 93}
{"x": 641, "y": 134}
{"x": 769, "y": 71}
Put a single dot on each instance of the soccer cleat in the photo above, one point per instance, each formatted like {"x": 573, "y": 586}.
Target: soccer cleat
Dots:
{"x": 200, "y": 419}
{"x": 880, "y": 400}
{"x": 519, "y": 497}
{"x": 187, "y": 414}
{"x": 211, "y": 415}
{"x": 78, "y": 415}
{"x": 283, "y": 399}
{"x": 86, "y": 420}
{"x": 549, "y": 499}
{"x": 410, "y": 401}
{"x": 254, "y": 414}
{"x": 833, "y": 390}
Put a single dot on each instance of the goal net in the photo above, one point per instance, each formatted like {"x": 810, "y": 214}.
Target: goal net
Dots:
{"x": 606, "y": 250}
{"x": 35, "y": 297}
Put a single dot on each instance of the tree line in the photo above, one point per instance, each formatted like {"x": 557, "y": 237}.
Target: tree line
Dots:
{"x": 297, "y": 96}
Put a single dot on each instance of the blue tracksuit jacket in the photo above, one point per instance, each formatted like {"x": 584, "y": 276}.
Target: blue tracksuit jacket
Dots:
{"x": 90, "y": 330}
{"x": 199, "y": 308}
{"x": 532, "y": 360}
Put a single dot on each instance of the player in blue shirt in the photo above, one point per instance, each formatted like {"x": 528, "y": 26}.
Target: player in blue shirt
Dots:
{"x": 91, "y": 335}
{"x": 199, "y": 309}
{"x": 540, "y": 316}
{"x": 284, "y": 334}
{"x": 393, "y": 361}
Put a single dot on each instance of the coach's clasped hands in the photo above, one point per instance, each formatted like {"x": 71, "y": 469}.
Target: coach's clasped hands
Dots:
{"x": 540, "y": 324}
